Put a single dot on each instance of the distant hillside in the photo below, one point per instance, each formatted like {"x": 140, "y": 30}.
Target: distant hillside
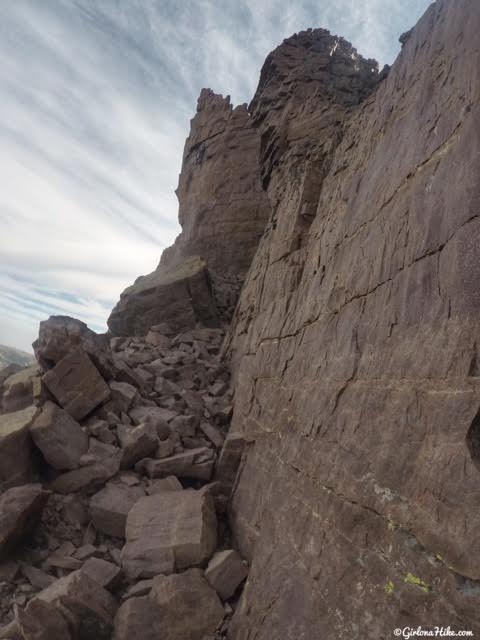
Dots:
{"x": 9, "y": 355}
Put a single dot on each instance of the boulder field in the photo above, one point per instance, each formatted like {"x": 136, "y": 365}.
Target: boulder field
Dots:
{"x": 279, "y": 436}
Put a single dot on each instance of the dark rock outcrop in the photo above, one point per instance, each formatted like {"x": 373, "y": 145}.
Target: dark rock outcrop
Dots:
{"x": 349, "y": 480}
{"x": 356, "y": 355}
{"x": 223, "y": 212}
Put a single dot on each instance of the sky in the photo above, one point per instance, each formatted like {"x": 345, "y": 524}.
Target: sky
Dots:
{"x": 95, "y": 102}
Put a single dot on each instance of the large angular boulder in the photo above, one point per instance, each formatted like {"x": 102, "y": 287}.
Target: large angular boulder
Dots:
{"x": 59, "y": 437}
{"x": 76, "y": 384}
{"x": 21, "y": 389}
{"x": 178, "y": 607}
{"x": 60, "y": 335}
{"x": 173, "y": 525}
{"x": 41, "y": 621}
{"x": 110, "y": 506}
{"x": 16, "y": 449}
{"x": 180, "y": 295}
{"x": 89, "y": 608}
{"x": 20, "y": 511}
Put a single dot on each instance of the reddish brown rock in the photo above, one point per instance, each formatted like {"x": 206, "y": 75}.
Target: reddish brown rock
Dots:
{"x": 89, "y": 608}
{"x": 59, "y": 437}
{"x": 177, "y": 527}
{"x": 225, "y": 572}
{"x": 193, "y": 463}
{"x": 21, "y": 389}
{"x": 16, "y": 449}
{"x": 356, "y": 343}
{"x": 76, "y": 384}
{"x": 20, "y": 511}
{"x": 61, "y": 335}
{"x": 137, "y": 443}
{"x": 107, "y": 574}
{"x": 178, "y": 607}
{"x": 222, "y": 205}
{"x": 110, "y": 506}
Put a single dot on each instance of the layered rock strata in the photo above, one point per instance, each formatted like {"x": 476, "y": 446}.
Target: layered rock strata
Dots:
{"x": 356, "y": 350}
{"x": 222, "y": 210}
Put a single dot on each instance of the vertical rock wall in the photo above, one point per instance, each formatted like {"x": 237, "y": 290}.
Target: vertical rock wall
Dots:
{"x": 223, "y": 212}
{"x": 356, "y": 338}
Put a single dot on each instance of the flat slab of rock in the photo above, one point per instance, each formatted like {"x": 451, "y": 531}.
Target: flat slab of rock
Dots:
{"x": 89, "y": 607}
{"x": 16, "y": 462}
{"x": 178, "y": 607}
{"x": 59, "y": 437}
{"x": 181, "y": 525}
{"x": 110, "y": 506}
{"x": 20, "y": 511}
{"x": 225, "y": 572}
{"x": 194, "y": 463}
{"x": 76, "y": 384}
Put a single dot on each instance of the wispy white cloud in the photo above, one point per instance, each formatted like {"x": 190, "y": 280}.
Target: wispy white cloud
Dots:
{"x": 95, "y": 102}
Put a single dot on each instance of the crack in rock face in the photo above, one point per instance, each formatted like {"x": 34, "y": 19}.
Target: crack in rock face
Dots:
{"x": 279, "y": 437}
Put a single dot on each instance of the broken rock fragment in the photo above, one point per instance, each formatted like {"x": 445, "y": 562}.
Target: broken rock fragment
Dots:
{"x": 90, "y": 609}
{"x": 195, "y": 463}
{"x": 178, "y": 607}
{"x": 110, "y": 506}
{"x": 76, "y": 384}
{"x": 107, "y": 574}
{"x": 225, "y": 572}
{"x": 137, "y": 443}
{"x": 20, "y": 511}
{"x": 16, "y": 449}
{"x": 181, "y": 525}
{"x": 59, "y": 437}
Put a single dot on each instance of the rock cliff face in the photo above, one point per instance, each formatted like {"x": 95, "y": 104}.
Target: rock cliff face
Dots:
{"x": 355, "y": 344}
{"x": 347, "y": 490}
{"x": 223, "y": 212}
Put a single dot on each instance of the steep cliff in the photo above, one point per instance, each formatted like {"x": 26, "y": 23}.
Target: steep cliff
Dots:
{"x": 223, "y": 211}
{"x": 343, "y": 502}
{"x": 355, "y": 343}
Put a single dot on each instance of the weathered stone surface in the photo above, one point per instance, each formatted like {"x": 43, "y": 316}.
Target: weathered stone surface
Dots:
{"x": 170, "y": 483}
{"x": 89, "y": 607}
{"x": 193, "y": 463}
{"x": 16, "y": 460}
{"x": 137, "y": 443}
{"x": 180, "y": 294}
{"x": 20, "y": 511}
{"x": 356, "y": 347}
{"x": 60, "y": 335}
{"x": 179, "y": 522}
{"x": 222, "y": 205}
{"x": 76, "y": 384}
{"x": 41, "y": 621}
{"x": 21, "y": 389}
{"x": 178, "y": 607}
{"x": 107, "y": 574}
{"x": 123, "y": 395}
{"x": 110, "y": 506}
{"x": 225, "y": 572}
{"x": 88, "y": 477}
{"x": 59, "y": 437}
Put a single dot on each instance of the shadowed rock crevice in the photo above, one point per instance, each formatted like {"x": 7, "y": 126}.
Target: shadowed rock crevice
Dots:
{"x": 473, "y": 440}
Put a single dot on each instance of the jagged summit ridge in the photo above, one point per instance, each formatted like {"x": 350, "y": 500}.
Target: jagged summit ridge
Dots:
{"x": 342, "y": 207}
